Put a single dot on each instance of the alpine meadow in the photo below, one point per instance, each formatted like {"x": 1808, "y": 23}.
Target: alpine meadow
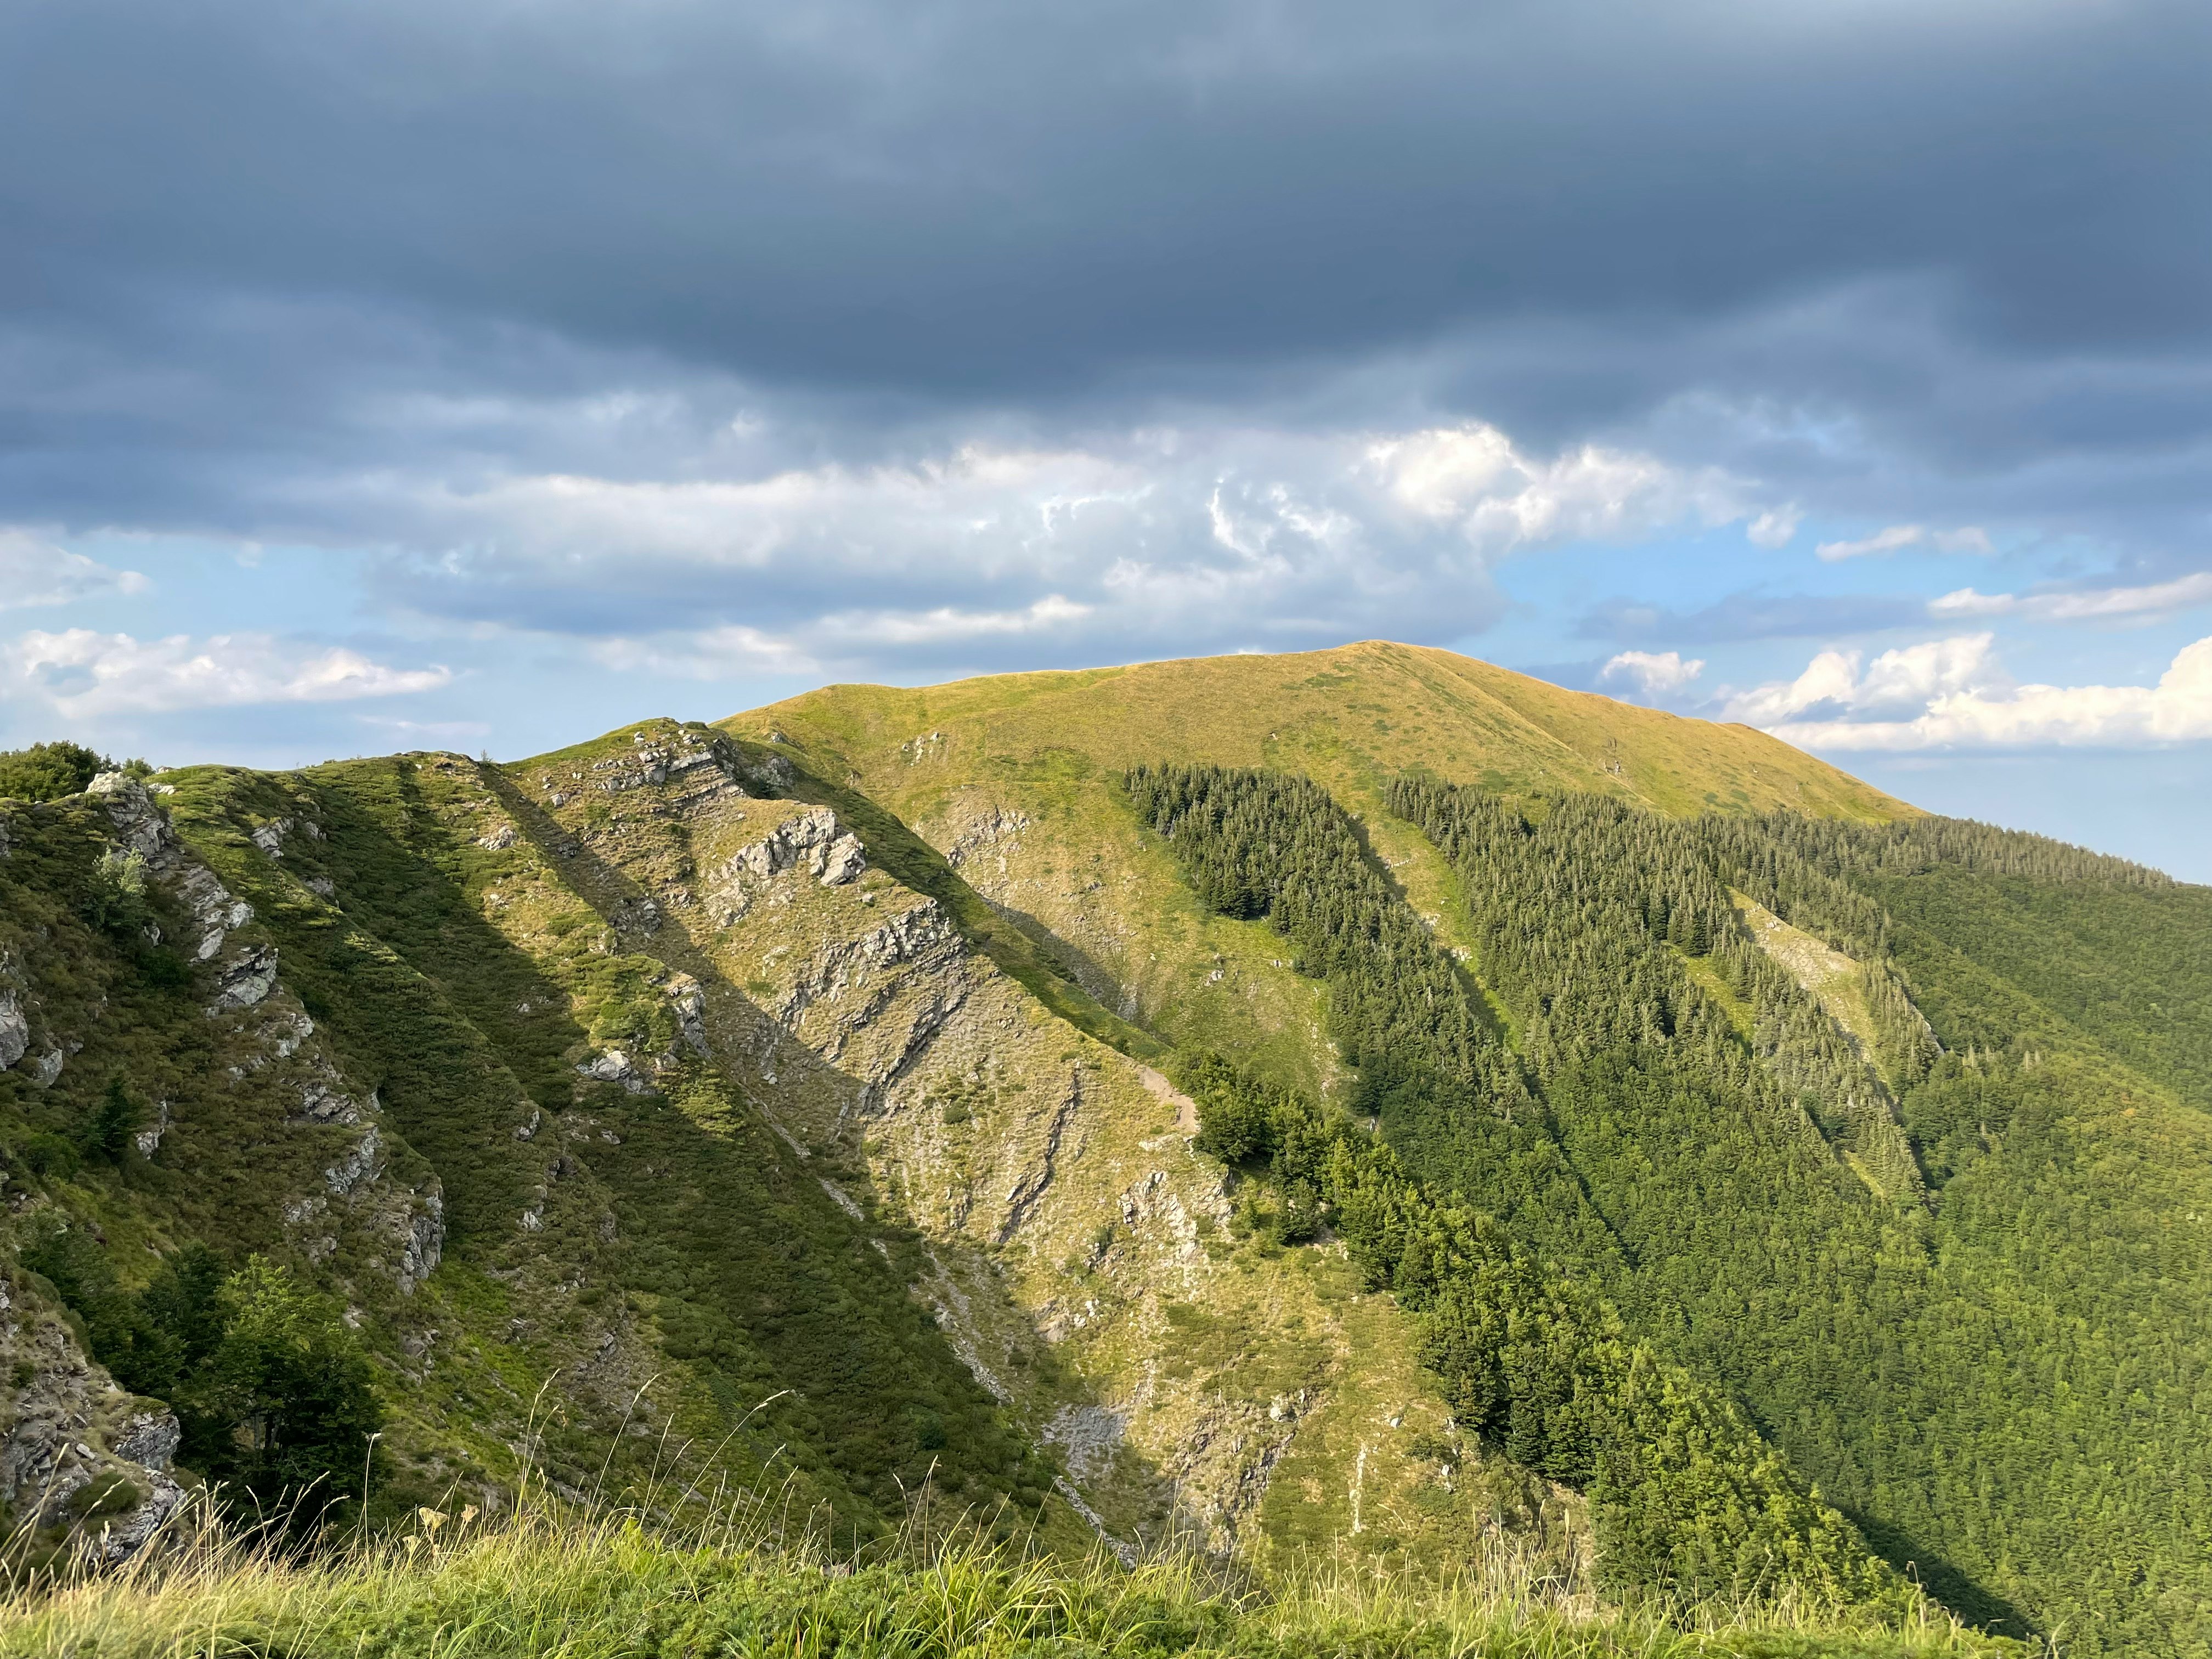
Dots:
{"x": 1357, "y": 1151}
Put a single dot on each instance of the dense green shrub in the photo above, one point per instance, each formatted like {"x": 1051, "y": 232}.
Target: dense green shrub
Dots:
{"x": 48, "y": 771}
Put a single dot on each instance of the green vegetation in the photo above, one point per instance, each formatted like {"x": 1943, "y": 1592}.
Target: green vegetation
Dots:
{"x": 273, "y": 1393}
{"x": 555, "y": 1586}
{"x": 1689, "y": 1504}
{"x": 1948, "y": 1372}
{"x": 48, "y": 771}
{"x": 1629, "y": 1176}
{"x": 678, "y": 1208}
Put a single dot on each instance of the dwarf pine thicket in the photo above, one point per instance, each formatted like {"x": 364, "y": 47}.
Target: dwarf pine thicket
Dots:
{"x": 1899, "y": 1255}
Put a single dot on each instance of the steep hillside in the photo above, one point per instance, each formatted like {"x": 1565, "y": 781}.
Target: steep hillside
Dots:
{"x": 634, "y": 1069}
{"x": 1013, "y": 779}
{"x": 1920, "y": 1189}
{"x": 1359, "y": 1103}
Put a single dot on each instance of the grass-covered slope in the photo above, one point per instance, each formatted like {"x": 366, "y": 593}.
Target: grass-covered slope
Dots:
{"x": 1367, "y": 711}
{"x": 1013, "y": 779}
{"x": 655, "y": 1096}
{"x": 560, "y": 1588}
{"x": 1973, "y": 1341}
{"x": 1797, "y": 1231}
{"x": 1669, "y": 1162}
{"x": 372, "y": 1080}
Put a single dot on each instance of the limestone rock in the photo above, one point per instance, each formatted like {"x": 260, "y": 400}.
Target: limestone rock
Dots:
{"x": 356, "y": 1166}
{"x": 212, "y": 907}
{"x": 151, "y": 1438}
{"x": 149, "y": 1141}
{"x": 613, "y": 1066}
{"x": 143, "y": 826}
{"x": 812, "y": 841}
{"x": 247, "y": 979}
{"x": 424, "y": 1244}
{"x": 15, "y": 1030}
{"x": 688, "y": 1004}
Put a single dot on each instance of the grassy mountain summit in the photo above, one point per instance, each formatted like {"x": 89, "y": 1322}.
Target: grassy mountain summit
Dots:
{"x": 1360, "y": 1104}
{"x": 1361, "y": 712}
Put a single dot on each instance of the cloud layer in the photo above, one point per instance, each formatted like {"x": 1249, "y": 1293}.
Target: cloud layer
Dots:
{"x": 34, "y": 571}
{"x": 83, "y": 674}
{"x": 1952, "y": 693}
{"x": 1151, "y": 542}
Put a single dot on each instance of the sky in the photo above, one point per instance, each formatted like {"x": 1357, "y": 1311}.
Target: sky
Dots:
{"x": 482, "y": 375}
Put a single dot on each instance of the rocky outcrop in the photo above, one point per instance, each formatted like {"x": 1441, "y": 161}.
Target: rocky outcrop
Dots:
{"x": 74, "y": 1449}
{"x": 812, "y": 840}
{"x": 212, "y": 907}
{"x": 245, "y": 980}
{"x": 614, "y": 1066}
{"x": 15, "y": 1030}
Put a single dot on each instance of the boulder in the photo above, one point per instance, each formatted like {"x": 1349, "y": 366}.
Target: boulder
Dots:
{"x": 15, "y": 1030}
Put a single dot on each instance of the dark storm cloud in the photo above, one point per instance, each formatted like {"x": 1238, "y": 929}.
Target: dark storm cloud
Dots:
{"x": 370, "y": 274}
{"x": 1000, "y": 200}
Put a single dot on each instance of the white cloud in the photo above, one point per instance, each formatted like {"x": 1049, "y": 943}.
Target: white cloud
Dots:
{"x": 735, "y": 651}
{"x": 1908, "y": 675}
{"x": 1654, "y": 673}
{"x": 1969, "y": 538}
{"x": 439, "y": 732}
{"x": 36, "y": 572}
{"x": 1153, "y": 540}
{"x": 1472, "y": 478}
{"x": 1959, "y": 712}
{"x": 1774, "y": 528}
{"x": 2087, "y": 605}
{"x": 86, "y": 673}
{"x": 946, "y": 623}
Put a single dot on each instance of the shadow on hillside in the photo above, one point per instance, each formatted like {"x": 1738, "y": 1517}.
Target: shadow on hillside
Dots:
{"x": 1477, "y": 1000}
{"x": 1071, "y": 959}
{"x": 1957, "y": 1590}
{"x": 784, "y": 1262}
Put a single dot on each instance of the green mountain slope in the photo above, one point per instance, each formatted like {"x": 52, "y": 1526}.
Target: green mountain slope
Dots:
{"x": 718, "y": 1141}
{"x": 1363, "y": 1103}
{"x": 1963, "y": 1286}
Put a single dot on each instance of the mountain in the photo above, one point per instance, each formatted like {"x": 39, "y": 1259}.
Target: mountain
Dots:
{"x": 1365, "y": 1100}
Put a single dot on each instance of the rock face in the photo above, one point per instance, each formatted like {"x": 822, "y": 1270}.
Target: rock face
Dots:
{"x": 15, "y": 1030}
{"x": 1069, "y": 1225}
{"x": 65, "y": 1424}
{"x": 615, "y": 1066}
{"x": 812, "y": 838}
{"x": 670, "y": 952}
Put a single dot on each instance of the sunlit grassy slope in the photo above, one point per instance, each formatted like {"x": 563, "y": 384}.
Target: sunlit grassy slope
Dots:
{"x": 1345, "y": 716}
{"x": 1011, "y": 778}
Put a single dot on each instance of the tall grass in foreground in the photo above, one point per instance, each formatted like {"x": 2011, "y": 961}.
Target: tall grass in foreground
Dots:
{"x": 577, "y": 1585}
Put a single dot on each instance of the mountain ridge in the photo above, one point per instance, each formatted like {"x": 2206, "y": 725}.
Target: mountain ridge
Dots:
{"x": 840, "y": 1066}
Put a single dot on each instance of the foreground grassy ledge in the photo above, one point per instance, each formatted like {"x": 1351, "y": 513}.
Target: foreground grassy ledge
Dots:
{"x": 598, "y": 1589}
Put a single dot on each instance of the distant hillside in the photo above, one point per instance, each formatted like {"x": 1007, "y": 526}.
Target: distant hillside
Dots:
{"x": 1356, "y": 714}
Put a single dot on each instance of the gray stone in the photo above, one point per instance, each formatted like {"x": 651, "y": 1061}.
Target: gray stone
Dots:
{"x": 15, "y": 1030}
{"x": 613, "y": 1066}
{"x": 247, "y": 979}
{"x": 356, "y": 1167}
{"x": 688, "y": 1004}
{"x": 149, "y": 1438}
